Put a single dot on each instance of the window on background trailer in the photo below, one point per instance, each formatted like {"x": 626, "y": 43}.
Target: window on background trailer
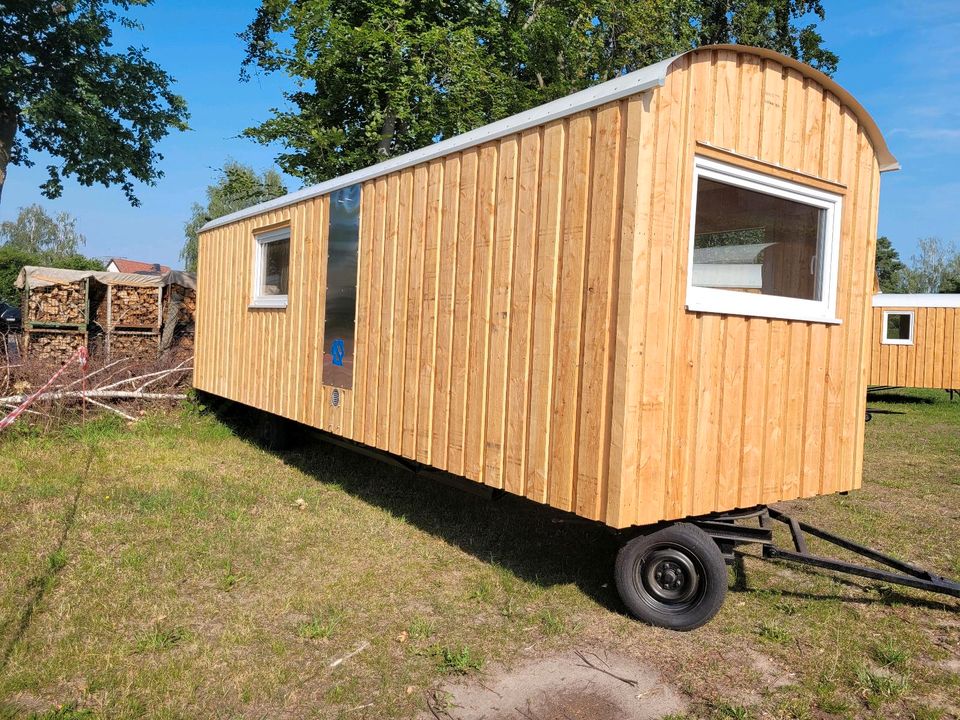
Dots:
{"x": 761, "y": 245}
{"x": 272, "y": 268}
{"x": 898, "y": 327}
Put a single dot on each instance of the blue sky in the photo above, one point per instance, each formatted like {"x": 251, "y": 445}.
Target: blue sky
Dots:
{"x": 899, "y": 58}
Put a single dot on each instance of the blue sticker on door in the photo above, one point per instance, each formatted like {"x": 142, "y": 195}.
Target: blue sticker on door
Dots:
{"x": 337, "y": 351}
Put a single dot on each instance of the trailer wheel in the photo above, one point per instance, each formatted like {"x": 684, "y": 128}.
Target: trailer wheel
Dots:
{"x": 674, "y": 578}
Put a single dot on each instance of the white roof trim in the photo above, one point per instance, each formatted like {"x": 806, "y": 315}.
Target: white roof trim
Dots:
{"x": 632, "y": 83}
{"x": 931, "y": 300}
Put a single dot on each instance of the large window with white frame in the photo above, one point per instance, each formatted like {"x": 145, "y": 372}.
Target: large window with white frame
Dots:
{"x": 761, "y": 245}
{"x": 897, "y": 327}
{"x": 271, "y": 268}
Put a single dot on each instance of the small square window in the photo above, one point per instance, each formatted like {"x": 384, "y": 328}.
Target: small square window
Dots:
{"x": 761, "y": 245}
{"x": 271, "y": 268}
{"x": 898, "y": 327}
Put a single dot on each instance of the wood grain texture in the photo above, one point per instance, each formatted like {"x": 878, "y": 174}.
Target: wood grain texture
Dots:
{"x": 521, "y": 313}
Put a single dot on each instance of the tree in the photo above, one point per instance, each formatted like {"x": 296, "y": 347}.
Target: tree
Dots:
{"x": 98, "y": 114}
{"x": 936, "y": 269}
{"x": 36, "y": 232}
{"x": 37, "y": 238}
{"x": 238, "y": 187}
{"x": 891, "y": 272}
{"x": 383, "y": 77}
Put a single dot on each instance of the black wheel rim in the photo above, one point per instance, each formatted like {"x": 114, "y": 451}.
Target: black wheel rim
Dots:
{"x": 669, "y": 579}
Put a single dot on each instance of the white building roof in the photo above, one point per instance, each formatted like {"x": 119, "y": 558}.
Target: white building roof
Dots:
{"x": 897, "y": 300}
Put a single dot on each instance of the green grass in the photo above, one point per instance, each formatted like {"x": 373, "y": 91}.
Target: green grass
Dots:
{"x": 321, "y": 627}
{"x": 191, "y": 583}
{"x": 159, "y": 639}
{"x": 460, "y": 661}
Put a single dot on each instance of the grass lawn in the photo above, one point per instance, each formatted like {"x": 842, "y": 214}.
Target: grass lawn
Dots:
{"x": 173, "y": 569}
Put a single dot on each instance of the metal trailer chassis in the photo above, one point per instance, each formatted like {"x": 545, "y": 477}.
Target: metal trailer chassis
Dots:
{"x": 667, "y": 576}
{"x": 728, "y": 536}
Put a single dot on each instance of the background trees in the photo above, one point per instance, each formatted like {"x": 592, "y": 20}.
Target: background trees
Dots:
{"x": 890, "y": 270}
{"x": 238, "y": 187}
{"x": 934, "y": 269}
{"x": 63, "y": 91}
{"x": 382, "y": 77}
{"x": 38, "y": 238}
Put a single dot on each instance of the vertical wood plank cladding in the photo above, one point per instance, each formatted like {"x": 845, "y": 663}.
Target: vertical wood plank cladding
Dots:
{"x": 445, "y": 311}
{"x": 622, "y": 466}
{"x": 374, "y": 358}
{"x": 478, "y": 359}
{"x": 932, "y": 361}
{"x": 461, "y": 316}
{"x": 668, "y": 224}
{"x": 391, "y": 362}
{"x": 655, "y": 281}
{"x": 861, "y": 285}
{"x": 401, "y": 318}
{"x": 597, "y": 346}
{"x": 543, "y": 347}
{"x": 428, "y": 317}
{"x": 734, "y": 389}
{"x": 576, "y": 224}
{"x": 500, "y": 319}
{"x": 521, "y": 318}
{"x": 413, "y": 298}
{"x": 521, "y": 314}
{"x": 837, "y": 429}
{"x": 365, "y": 273}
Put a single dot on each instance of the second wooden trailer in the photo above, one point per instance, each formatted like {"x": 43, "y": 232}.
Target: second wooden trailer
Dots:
{"x": 644, "y": 302}
{"x": 916, "y": 341}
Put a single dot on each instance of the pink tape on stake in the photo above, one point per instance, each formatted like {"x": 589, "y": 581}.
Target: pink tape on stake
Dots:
{"x": 80, "y": 354}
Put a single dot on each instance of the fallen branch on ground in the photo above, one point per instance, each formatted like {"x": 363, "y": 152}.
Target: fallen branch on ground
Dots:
{"x": 98, "y": 394}
{"x": 118, "y": 387}
{"x": 580, "y": 654}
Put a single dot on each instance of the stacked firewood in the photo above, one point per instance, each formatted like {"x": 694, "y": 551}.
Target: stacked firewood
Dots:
{"x": 189, "y": 308}
{"x": 186, "y": 300}
{"x": 62, "y": 304}
{"x": 54, "y": 347}
{"x": 123, "y": 345}
{"x": 134, "y": 306}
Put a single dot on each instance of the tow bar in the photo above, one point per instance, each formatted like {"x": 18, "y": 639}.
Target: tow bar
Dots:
{"x": 728, "y": 535}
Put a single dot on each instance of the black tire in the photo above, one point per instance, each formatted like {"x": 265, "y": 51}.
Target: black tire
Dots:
{"x": 674, "y": 578}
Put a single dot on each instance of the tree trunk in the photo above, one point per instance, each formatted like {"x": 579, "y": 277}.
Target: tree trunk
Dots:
{"x": 386, "y": 134}
{"x": 8, "y": 131}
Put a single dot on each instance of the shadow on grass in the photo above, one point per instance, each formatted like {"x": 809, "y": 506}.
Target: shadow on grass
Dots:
{"x": 873, "y": 592}
{"x": 536, "y": 543}
{"x": 897, "y": 398}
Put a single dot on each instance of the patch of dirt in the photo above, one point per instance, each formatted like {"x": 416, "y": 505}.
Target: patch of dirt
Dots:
{"x": 570, "y": 686}
{"x": 771, "y": 674}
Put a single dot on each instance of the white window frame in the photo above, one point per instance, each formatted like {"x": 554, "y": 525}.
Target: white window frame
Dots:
{"x": 734, "y": 302}
{"x": 886, "y": 328}
{"x": 260, "y": 242}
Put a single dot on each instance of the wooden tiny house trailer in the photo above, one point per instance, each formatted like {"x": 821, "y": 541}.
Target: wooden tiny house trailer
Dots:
{"x": 916, "y": 341}
{"x": 643, "y": 302}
